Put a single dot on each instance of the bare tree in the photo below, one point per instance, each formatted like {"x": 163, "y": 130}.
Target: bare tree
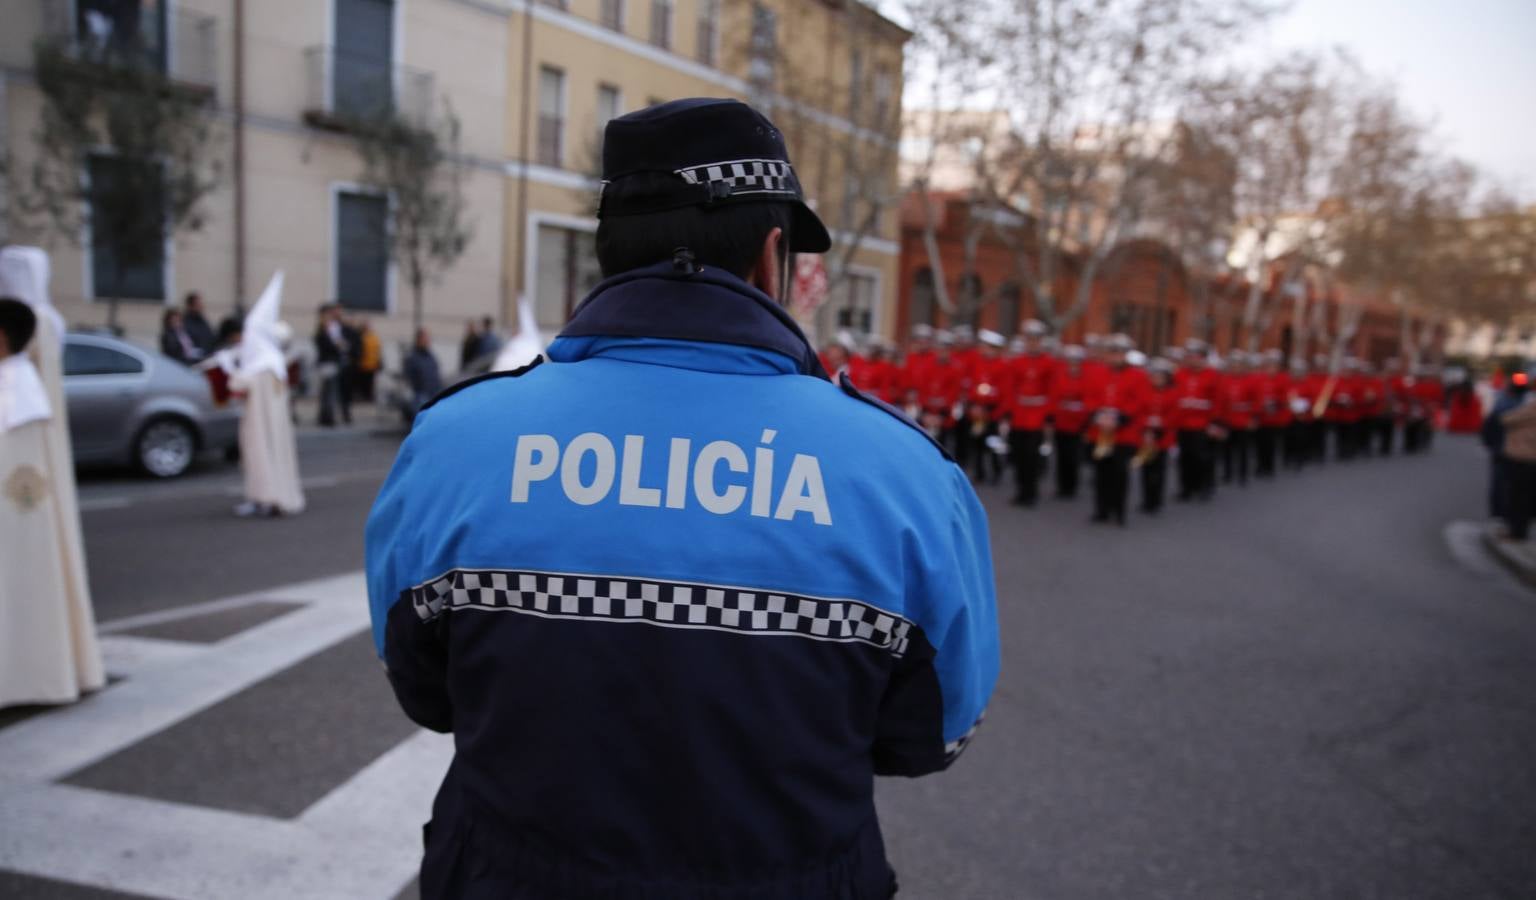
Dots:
{"x": 156, "y": 150}
{"x": 421, "y": 171}
{"x": 1092, "y": 91}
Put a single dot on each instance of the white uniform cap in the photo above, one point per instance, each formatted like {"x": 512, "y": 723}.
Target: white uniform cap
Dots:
{"x": 991, "y": 338}
{"x": 1135, "y": 358}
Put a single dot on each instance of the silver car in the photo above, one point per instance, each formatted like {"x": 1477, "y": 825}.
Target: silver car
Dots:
{"x": 132, "y": 405}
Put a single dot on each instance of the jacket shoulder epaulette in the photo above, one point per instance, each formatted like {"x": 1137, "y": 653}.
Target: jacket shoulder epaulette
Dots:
{"x": 488, "y": 376}
{"x": 852, "y": 390}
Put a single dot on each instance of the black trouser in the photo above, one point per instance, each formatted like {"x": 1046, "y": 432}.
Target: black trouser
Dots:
{"x": 1498, "y": 486}
{"x": 1068, "y": 452}
{"x": 1264, "y": 441}
{"x": 1343, "y": 448}
{"x": 1520, "y": 492}
{"x": 1235, "y": 453}
{"x": 1197, "y": 464}
{"x": 1386, "y": 426}
{"x": 1416, "y": 435}
{"x": 1317, "y": 441}
{"x": 1111, "y": 484}
{"x": 1154, "y": 481}
{"x": 1024, "y": 453}
{"x": 1295, "y": 444}
{"x": 975, "y": 454}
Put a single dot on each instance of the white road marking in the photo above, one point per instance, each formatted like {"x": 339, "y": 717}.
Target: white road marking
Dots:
{"x": 127, "y": 655}
{"x": 359, "y": 841}
{"x": 99, "y": 503}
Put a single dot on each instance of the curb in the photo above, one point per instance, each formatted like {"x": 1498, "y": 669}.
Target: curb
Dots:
{"x": 1519, "y": 557}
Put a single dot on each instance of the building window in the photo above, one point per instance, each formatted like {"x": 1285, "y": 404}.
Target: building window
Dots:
{"x": 709, "y": 31}
{"x": 855, "y": 303}
{"x": 362, "y": 251}
{"x": 764, "y": 49}
{"x": 362, "y": 73}
{"x": 882, "y": 100}
{"x": 610, "y": 105}
{"x": 923, "y": 298}
{"x": 661, "y": 23}
{"x": 1009, "y": 299}
{"x": 118, "y": 33}
{"x": 612, "y": 14}
{"x": 127, "y": 222}
{"x": 567, "y": 271}
{"x": 551, "y": 116}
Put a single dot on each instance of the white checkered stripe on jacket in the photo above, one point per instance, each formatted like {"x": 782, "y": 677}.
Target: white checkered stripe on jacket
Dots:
{"x": 665, "y": 603}
{"x": 746, "y": 176}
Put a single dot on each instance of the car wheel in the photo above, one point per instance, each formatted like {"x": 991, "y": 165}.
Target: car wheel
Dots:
{"x": 165, "y": 448}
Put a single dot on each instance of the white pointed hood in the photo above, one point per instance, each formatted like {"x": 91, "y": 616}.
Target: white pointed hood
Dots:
{"x": 521, "y": 350}
{"x": 24, "y": 274}
{"x": 262, "y": 336}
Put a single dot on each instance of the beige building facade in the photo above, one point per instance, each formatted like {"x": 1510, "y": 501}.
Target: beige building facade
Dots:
{"x": 293, "y": 200}
{"x": 828, "y": 74}
{"x": 531, "y": 86}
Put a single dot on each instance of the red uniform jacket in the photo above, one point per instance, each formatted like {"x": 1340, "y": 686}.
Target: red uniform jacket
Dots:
{"x": 938, "y": 388}
{"x": 1127, "y": 391}
{"x": 1274, "y": 399}
{"x": 1027, "y": 386}
{"x": 1428, "y": 396}
{"x": 989, "y": 384}
{"x": 1236, "y": 402}
{"x": 1195, "y": 396}
{"x": 1162, "y": 413}
{"x": 1070, "y": 395}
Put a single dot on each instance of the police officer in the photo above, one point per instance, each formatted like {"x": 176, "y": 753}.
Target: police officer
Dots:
{"x": 649, "y": 584}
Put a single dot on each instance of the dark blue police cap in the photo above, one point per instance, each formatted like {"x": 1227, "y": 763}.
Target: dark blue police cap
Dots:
{"x": 711, "y": 152}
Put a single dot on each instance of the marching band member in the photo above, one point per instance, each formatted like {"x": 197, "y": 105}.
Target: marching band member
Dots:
{"x": 1119, "y": 409}
{"x": 1070, "y": 390}
{"x": 1027, "y": 401}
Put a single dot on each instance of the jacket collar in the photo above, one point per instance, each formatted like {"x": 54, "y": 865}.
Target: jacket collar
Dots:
{"x": 707, "y": 305}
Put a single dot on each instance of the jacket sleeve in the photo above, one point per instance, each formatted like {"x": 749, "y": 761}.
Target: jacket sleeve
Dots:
{"x": 940, "y": 686}
{"x": 410, "y": 640}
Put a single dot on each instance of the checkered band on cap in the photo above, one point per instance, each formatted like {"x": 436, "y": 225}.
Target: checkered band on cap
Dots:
{"x": 663, "y": 603}
{"x": 747, "y": 177}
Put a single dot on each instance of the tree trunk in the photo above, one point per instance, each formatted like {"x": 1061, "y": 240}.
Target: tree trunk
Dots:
{"x": 416, "y": 300}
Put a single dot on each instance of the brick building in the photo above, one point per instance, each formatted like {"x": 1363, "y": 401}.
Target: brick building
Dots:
{"x": 1144, "y": 290}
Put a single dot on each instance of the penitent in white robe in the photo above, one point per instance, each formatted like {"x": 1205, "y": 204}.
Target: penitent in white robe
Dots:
{"x": 268, "y": 453}
{"x": 48, "y": 648}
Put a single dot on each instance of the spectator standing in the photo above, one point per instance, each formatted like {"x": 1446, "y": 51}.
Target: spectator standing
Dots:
{"x": 469, "y": 348}
{"x": 196, "y": 324}
{"x": 490, "y": 341}
{"x": 176, "y": 342}
{"x": 422, "y": 372}
{"x": 370, "y": 354}
{"x": 333, "y": 353}
{"x": 1519, "y": 423}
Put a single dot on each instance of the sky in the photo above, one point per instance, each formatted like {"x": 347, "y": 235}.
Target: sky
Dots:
{"x": 1469, "y": 67}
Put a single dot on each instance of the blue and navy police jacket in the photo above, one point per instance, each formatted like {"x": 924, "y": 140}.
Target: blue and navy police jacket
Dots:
{"x": 678, "y": 598}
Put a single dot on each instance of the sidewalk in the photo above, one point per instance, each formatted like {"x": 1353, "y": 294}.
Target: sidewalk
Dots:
{"x": 247, "y": 748}
{"x": 1517, "y": 556}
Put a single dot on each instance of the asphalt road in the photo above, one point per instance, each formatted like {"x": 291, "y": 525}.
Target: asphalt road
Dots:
{"x": 1296, "y": 690}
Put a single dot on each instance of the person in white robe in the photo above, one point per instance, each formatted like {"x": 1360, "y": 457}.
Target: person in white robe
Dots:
{"x": 48, "y": 647}
{"x": 258, "y": 368}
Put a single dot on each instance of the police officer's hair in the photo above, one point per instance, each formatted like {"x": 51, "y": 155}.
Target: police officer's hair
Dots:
{"x": 728, "y": 236}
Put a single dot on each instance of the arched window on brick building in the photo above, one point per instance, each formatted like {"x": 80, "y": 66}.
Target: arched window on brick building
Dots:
{"x": 968, "y": 300}
{"x": 1010, "y": 299}
{"x": 922, "y": 306}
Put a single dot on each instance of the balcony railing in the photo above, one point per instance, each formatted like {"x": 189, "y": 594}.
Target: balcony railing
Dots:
{"x": 180, "y": 45}
{"x": 345, "y": 87}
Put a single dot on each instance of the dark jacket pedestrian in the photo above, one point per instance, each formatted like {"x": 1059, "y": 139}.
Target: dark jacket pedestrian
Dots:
{"x": 674, "y": 609}
{"x": 176, "y": 342}
{"x": 333, "y": 356}
{"x": 469, "y": 348}
{"x": 421, "y": 372}
{"x": 196, "y": 324}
